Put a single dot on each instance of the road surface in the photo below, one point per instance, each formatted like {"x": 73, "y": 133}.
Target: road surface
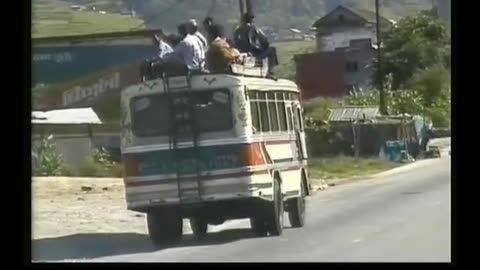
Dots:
{"x": 403, "y": 217}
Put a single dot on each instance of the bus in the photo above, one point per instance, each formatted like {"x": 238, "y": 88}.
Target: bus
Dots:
{"x": 212, "y": 148}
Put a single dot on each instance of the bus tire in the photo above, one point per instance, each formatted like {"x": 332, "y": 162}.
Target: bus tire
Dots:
{"x": 199, "y": 227}
{"x": 259, "y": 226}
{"x": 296, "y": 213}
{"x": 275, "y": 211}
{"x": 164, "y": 228}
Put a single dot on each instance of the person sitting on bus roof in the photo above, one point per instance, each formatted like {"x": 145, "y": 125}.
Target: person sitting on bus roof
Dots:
{"x": 250, "y": 39}
{"x": 187, "y": 53}
{"x": 163, "y": 47}
{"x": 220, "y": 54}
{"x": 173, "y": 40}
{"x": 192, "y": 29}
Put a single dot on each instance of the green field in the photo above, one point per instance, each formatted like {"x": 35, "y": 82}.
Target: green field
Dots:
{"x": 55, "y": 18}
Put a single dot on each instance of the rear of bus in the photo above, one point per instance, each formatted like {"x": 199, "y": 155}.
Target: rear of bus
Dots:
{"x": 229, "y": 165}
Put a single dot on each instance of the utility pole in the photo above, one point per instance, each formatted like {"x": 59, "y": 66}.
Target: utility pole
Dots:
{"x": 382, "y": 108}
{"x": 249, "y": 6}
{"x": 242, "y": 8}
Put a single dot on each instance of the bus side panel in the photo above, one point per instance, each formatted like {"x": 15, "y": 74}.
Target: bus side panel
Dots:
{"x": 282, "y": 154}
{"x": 291, "y": 178}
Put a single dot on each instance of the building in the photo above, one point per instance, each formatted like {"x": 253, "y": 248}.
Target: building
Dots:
{"x": 346, "y": 46}
{"x": 336, "y": 73}
{"x": 337, "y": 28}
{"x": 320, "y": 74}
{"x": 76, "y": 132}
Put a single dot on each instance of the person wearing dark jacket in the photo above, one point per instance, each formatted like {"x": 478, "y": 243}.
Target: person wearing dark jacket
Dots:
{"x": 250, "y": 39}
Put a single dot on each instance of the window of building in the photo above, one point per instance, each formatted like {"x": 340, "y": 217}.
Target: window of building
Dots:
{"x": 352, "y": 67}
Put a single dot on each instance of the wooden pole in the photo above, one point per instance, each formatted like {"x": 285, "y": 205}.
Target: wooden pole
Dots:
{"x": 249, "y": 6}
{"x": 242, "y": 8}
{"x": 383, "y": 110}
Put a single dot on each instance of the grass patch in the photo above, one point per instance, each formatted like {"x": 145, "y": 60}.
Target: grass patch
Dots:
{"x": 344, "y": 167}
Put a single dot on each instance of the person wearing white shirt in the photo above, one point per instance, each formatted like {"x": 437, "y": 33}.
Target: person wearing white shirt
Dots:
{"x": 192, "y": 29}
{"x": 189, "y": 51}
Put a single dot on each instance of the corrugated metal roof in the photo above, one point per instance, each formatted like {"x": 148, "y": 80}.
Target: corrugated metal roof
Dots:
{"x": 66, "y": 117}
{"x": 348, "y": 114}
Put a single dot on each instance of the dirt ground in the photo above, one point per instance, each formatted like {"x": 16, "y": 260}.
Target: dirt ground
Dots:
{"x": 60, "y": 207}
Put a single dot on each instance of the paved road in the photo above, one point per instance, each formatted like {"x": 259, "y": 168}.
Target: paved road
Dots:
{"x": 399, "y": 218}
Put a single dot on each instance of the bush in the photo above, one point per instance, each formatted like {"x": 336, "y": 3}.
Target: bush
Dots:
{"x": 99, "y": 164}
{"x": 68, "y": 171}
{"x": 46, "y": 161}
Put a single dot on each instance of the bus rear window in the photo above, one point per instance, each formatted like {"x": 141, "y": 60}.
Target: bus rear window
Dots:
{"x": 151, "y": 114}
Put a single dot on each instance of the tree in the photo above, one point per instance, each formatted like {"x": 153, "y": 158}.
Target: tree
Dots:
{"x": 416, "y": 43}
{"x": 432, "y": 84}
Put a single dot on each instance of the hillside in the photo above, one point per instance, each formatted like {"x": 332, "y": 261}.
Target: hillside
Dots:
{"x": 54, "y": 17}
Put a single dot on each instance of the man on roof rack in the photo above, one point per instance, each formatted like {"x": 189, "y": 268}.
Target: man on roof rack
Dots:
{"x": 187, "y": 56}
{"x": 220, "y": 54}
{"x": 192, "y": 29}
{"x": 250, "y": 39}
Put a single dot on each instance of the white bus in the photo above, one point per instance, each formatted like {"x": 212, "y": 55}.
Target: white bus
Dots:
{"x": 211, "y": 148}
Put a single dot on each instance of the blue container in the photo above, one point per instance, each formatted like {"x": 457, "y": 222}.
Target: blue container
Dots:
{"x": 393, "y": 150}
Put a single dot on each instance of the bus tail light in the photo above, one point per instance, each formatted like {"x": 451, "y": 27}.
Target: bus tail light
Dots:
{"x": 252, "y": 155}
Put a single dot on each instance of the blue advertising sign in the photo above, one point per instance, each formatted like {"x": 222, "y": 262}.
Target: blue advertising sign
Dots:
{"x": 53, "y": 64}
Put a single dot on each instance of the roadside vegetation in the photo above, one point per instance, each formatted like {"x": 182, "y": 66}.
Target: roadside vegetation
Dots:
{"x": 416, "y": 77}
{"x": 334, "y": 168}
{"x": 46, "y": 161}
{"x": 416, "y": 73}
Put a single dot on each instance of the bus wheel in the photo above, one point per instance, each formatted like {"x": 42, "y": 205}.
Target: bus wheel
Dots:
{"x": 164, "y": 228}
{"x": 275, "y": 211}
{"x": 296, "y": 213}
{"x": 259, "y": 226}
{"x": 199, "y": 227}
